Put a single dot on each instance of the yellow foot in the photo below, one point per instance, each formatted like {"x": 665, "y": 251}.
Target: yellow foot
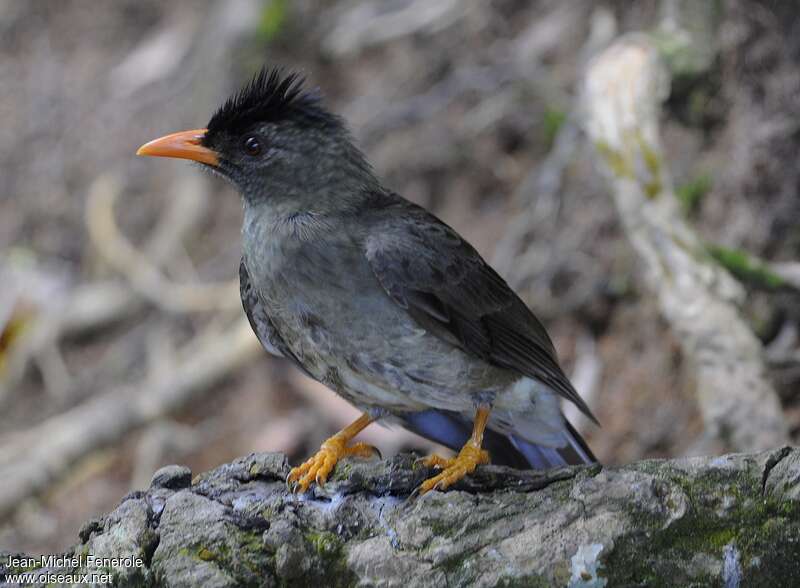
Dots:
{"x": 319, "y": 466}
{"x": 453, "y": 469}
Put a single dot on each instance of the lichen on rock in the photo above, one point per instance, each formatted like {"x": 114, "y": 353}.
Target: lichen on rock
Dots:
{"x": 679, "y": 522}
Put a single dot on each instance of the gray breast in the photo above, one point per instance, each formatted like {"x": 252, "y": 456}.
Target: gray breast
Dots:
{"x": 323, "y": 307}
{"x": 257, "y": 314}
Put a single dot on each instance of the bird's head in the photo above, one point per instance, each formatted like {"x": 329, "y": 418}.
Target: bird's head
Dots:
{"x": 277, "y": 143}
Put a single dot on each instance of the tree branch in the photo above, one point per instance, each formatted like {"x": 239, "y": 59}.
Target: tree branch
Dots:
{"x": 624, "y": 88}
{"x": 31, "y": 459}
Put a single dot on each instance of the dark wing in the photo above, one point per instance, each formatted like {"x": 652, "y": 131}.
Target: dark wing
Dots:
{"x": 439, "y": 278}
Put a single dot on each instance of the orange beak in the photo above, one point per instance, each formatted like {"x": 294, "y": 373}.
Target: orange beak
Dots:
{"x": 183, "y": 145}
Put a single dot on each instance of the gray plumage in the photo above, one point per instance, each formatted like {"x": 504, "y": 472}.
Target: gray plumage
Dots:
{"x": 374, "y": 296}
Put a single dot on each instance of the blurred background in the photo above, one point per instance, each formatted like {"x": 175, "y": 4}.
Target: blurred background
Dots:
{"x": 123, "y": 345}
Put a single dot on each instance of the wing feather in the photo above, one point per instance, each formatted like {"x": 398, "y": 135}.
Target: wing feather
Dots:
{"x": 429, "y": 270}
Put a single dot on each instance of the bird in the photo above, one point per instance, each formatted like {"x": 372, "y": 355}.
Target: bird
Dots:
{"x": 375, "y": 297}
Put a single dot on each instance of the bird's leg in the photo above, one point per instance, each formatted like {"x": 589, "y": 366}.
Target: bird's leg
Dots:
{"x": 470, "y": 456}
{"x": 317, "y": 468}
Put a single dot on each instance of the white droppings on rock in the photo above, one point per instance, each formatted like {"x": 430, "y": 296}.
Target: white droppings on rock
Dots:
{"x": 731, "y": 568}
{"x": 585, "y": 567}
{"x": 326, "y": 504}
{"x": 381, "y": 503}
{"x": 240, "y": 503}
{"x": 329, "y": 505}
{"x": 720, "y": 462}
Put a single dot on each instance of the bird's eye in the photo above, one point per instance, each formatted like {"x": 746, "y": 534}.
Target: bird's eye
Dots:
{"x": 252, "y": 145}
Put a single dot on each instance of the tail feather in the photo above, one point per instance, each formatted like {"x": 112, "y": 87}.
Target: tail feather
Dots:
{"x": 540, "y": 457}
{"x": 452, "y": 430}
{"x": 578, "y": 444}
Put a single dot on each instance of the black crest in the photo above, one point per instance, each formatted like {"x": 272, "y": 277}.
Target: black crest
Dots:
{"x": 271, "y": 95}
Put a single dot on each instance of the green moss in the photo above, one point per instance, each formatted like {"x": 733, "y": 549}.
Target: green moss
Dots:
{"x": 455, "y": 570}
{"x": 652, "y": 161}
{"x": 553, "y": 120}
{"x": 746, "y": 268}
{"x": 652, "y": 189}
{"x": 333, "y": 559}
{"x": 757, "y": 526}
{"x": 692, "y": 192}
{"x": 615, "y": 160}
{"x": 272, "y": 20}
{"x": 461, "y": 571}
{"x": 251, "y": 552}
{"x": 674, "y": 50}
{"x": 443, "y": 528}
{"x": 148, "y": 545}
{"x": 524, "y": 582}
{"x": 717, "y": 540}
{"x": 342, "y": 472}
{"x": 324, "y": 543}
{"x": 252, "y": 541}
{"x": 621, "y": 166}
{"x": 242, "y": 556}
{"x": 681, "y": 56}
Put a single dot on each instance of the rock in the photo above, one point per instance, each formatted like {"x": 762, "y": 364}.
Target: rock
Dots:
{"x": 730, "y": 520}
{"x": 172, "y": 477}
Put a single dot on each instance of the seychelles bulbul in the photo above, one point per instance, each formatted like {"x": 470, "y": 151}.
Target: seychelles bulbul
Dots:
{"x": 375, "y": 297}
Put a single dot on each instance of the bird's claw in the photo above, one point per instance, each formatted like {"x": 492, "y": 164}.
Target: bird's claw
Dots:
{"x": 291, "y": 485}
{"x": 433, "y": 461}
{"x": 453, "y": 469}
{"x": 321, "y": 464}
